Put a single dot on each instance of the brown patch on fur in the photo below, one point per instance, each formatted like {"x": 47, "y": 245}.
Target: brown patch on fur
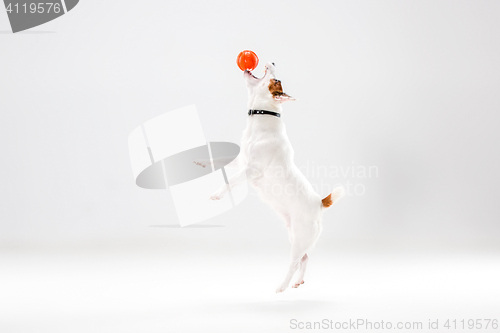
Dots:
{"x": 275, "y": 88}
{"x": 327, "y": 201}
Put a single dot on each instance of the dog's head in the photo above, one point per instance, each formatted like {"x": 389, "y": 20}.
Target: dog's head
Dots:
{"x": 265, "y": 93}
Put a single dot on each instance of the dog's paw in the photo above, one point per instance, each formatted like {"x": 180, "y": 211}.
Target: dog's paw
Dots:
{"x": 296, "y": 285}
{"x": 216, "y": 196}
{"x": 219, "y": 194}
{"x": 281, "y": 289}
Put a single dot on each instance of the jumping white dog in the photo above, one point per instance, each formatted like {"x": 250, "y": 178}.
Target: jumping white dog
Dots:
{"x": 266, "y": 162}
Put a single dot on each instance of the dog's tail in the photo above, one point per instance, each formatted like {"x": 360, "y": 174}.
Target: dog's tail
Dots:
{"x": 333, "y": 197}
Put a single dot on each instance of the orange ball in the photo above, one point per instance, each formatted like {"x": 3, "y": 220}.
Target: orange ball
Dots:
{"x": 247, "y": 60}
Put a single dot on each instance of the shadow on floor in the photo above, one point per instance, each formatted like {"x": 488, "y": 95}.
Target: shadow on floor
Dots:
{"x": 288, "y": 307}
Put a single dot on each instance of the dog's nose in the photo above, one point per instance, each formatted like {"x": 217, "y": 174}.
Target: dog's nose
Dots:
{"x": 273, "y": 64}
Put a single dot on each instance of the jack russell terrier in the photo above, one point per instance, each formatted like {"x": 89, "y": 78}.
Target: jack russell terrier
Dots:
{"x": 266, "y": 162}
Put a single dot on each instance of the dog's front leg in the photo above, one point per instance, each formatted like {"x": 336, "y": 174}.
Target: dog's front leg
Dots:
{"x": 247, "y": 173}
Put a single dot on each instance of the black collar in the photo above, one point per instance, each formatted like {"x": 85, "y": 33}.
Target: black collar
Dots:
{"x": 252, "y": 112}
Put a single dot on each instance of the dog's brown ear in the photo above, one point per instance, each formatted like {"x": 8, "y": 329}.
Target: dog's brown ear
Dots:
{"x": 283, "y": 98}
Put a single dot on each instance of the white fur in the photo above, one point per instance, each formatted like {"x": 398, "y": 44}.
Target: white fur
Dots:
{"x": 266, "y": 161}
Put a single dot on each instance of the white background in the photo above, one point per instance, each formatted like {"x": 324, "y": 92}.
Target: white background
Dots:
{"x": 410, "y": 87}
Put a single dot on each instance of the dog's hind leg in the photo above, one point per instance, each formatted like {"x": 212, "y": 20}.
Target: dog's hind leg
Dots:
{"x": 304, "y": 236}
{"x": 298, "y": 252}
{"x": 301, "y": 272}
{"x": 294, "y": 266}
